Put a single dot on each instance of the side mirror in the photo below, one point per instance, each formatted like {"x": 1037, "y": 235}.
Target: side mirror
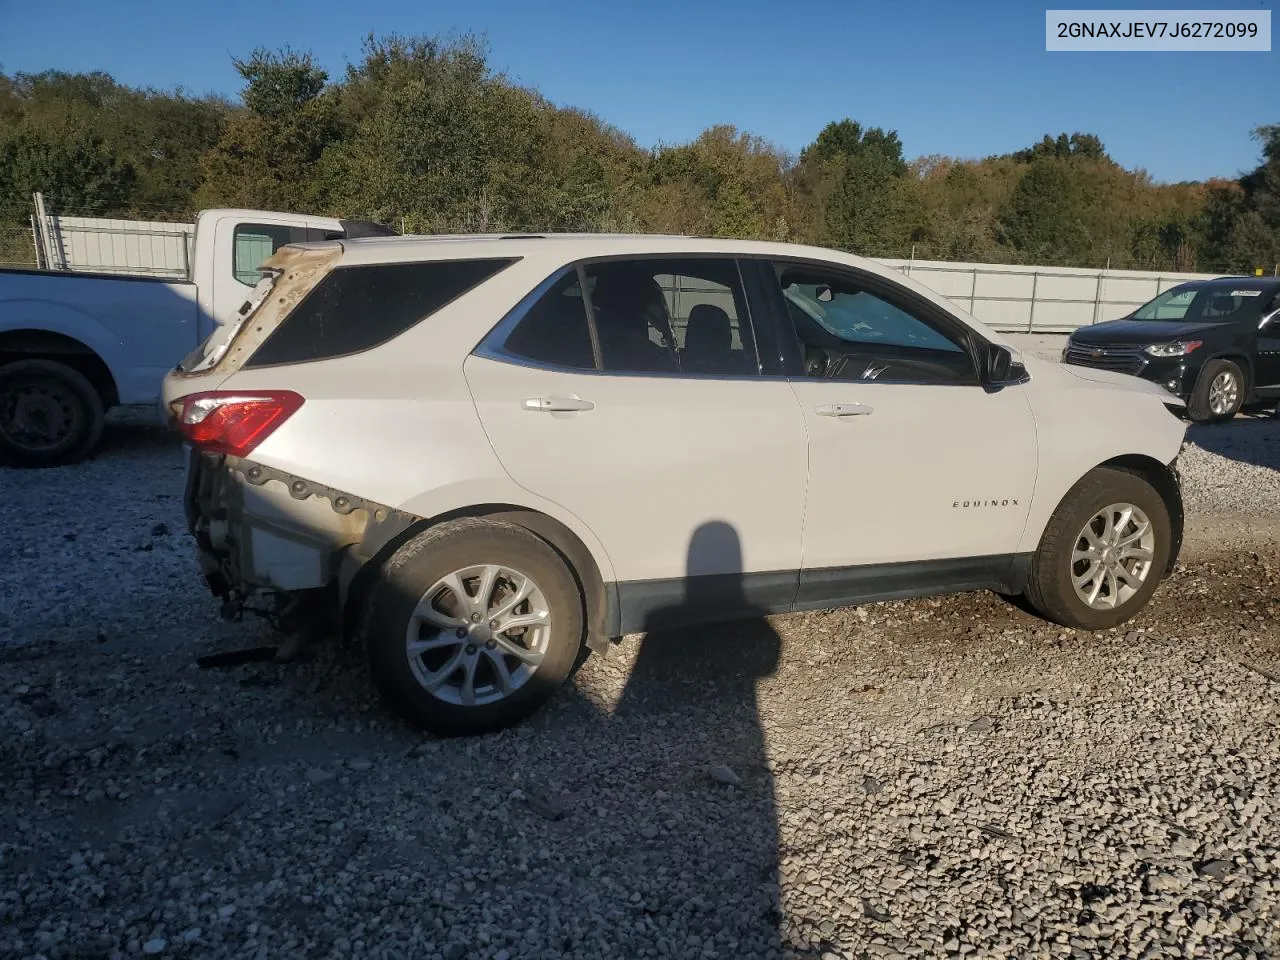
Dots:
{"x": 1001, "y": 368}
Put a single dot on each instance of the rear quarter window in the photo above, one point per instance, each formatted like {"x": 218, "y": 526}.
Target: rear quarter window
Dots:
{"x": 354, "y": 309}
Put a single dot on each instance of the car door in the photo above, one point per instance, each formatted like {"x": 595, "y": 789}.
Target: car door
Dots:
{"x": 920, "y": 478}
{"x": 1267, "y": 367}
{"x": 640, "y": 408}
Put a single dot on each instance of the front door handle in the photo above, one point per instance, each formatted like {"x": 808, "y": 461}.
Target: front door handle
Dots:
{"x": 844, "y": 410}
{"x": 558, "y": 404}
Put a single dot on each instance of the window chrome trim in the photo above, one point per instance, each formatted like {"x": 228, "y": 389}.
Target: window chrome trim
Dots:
{"x": 493, "y": 345}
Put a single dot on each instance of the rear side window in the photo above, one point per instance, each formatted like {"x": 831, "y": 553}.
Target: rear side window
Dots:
{"x": 649, "y": 315}
{"x": 357, "y": 308}
{"x": 555, "y": 331}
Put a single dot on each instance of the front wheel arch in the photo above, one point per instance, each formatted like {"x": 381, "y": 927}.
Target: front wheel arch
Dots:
{"x": 1241, "y": 361}
{"x": 1053, "y": 588}
{"x": 1164, "y": 477}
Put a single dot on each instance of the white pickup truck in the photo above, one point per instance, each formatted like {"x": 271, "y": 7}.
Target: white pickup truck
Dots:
{"x": 73, "y": 344}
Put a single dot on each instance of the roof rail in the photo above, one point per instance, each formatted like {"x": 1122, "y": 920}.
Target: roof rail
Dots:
{"x": 355, "y": 229}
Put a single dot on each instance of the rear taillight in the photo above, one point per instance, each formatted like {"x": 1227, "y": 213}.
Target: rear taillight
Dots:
{"x": 234, "y": 421}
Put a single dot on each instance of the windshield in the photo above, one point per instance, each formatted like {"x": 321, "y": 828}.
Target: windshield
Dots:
{"x": 1200, "y": 304}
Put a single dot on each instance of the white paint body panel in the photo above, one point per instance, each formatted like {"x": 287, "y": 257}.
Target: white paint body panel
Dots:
{"x": 904, "y": 481}
{"x": 1085, "y": 421}
{"x": 213, "y": 269}
{"x": 140, "y": 328}
{"x": 655, "y": 459}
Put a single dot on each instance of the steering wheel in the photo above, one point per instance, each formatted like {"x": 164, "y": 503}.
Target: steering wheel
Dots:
{"x": 816, "y": 362}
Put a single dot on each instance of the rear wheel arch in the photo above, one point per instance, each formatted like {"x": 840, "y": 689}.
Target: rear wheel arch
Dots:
{"x": 599, "y": 607}
{"x": 35, "y": 344}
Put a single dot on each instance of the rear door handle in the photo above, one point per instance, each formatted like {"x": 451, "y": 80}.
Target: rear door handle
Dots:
{"x": 558, "y": 404}
{"x": 844, "y": 410}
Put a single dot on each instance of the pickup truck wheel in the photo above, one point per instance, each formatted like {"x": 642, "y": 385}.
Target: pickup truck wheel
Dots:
{"x": 1219, "y": 393}
{"x": 472, "y": 625}
{"x": 50, "y": 414}
{"x": 1103, "y": 553}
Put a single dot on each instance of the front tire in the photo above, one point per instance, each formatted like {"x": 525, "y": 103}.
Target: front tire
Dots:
{"x": 472, "y": 625}
{"x": 50, "y": 414}
{"x": 1103, "y": 553}
{"x": 1219, "y": 393}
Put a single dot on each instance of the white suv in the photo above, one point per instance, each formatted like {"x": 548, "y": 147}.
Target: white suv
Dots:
{"x": 488, "y": 452}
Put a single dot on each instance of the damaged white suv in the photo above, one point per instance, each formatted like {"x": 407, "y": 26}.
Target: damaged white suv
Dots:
{"x": 486, "y": 453}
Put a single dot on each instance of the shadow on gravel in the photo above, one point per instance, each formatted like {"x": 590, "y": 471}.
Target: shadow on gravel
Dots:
{"x": 134, "y": 431}
{"x": 1248, "y": 440}
{"x": 699, "y": 683}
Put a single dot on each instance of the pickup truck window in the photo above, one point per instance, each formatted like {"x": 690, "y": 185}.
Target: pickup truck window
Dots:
{"x": 357, "y": 308}
{"x": 255, "y": 242}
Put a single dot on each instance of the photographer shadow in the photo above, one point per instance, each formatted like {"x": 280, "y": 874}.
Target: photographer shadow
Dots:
{"x": 692, "y": 696}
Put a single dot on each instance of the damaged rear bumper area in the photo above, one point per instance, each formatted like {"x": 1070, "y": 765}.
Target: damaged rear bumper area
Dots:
{"x": 260, "y": 530}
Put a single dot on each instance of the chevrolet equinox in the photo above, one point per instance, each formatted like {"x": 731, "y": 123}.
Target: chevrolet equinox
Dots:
{"x": 486, "y": 455}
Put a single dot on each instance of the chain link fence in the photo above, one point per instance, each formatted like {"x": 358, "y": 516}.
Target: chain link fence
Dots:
{"x": 17, "y": 246}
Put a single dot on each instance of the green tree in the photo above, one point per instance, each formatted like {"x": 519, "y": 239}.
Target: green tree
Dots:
{"x": 1243, "y": 219}
{"x": 75, "y": 175}
{"x": 267, "y": 154}
{"x": 159, "y": 136}
{"x": 852, "y": 171}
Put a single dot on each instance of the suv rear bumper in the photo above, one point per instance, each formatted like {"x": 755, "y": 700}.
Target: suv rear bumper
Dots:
{"x": 257, "y": 528}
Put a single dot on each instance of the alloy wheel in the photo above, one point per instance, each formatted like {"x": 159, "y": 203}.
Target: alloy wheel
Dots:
{"x": 478, "y": 634}
{"x": 1224, "y": 393}
{"x": 1112, "y": 556}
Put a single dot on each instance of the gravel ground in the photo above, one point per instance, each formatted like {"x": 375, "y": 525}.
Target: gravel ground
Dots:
{"x": 927, "y": 778}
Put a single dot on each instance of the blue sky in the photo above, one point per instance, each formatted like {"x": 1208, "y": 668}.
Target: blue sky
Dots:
{"x": 957, "y": 78}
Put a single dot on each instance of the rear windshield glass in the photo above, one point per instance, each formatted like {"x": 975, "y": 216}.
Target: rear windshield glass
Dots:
{"x": 1202, "y": 303}
{"x": 357, "y": 308}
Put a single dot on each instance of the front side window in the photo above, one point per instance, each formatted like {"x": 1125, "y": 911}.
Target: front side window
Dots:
{"x": 656, "y": 316}
{"x": 253, "y": 243}
{"x": 849, "y": 331}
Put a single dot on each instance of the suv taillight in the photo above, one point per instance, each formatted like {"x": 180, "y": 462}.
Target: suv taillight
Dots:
{"x": 234, "y": 421}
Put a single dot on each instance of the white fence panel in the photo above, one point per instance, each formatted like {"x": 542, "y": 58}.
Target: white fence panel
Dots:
{"x": 140, "y": 247}
{"x": 1040, "y": 299}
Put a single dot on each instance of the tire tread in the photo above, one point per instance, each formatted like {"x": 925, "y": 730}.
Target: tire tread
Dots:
{"x": 1043, "y": 592}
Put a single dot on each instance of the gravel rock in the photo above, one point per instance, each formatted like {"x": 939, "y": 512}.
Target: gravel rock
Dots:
{"x": 1122, "y": 801}
{"x": 1214, "y": 869}
{"x": 723, "y": 773}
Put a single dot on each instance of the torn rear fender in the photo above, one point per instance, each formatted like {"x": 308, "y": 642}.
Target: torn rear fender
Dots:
{"x": 289, "y": 275}
{"x": 298, "y": 269}
{"x": 260, "y": 527}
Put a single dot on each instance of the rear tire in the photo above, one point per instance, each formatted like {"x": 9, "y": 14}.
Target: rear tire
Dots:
{"x": 1136, "y": 562}
{"x": 1219, "y": 393}
{"x": 50, "y": 414}
{"x": 448, "y": 663}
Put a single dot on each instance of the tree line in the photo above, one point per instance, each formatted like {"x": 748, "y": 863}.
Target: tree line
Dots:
{"x": 424, "y": 135}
